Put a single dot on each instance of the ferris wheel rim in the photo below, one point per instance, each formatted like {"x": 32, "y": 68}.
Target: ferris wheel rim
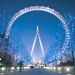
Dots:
{"x": 45, "y": 9}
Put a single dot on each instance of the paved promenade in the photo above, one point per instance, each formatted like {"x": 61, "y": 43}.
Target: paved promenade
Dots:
{"x": 36, "y": 72}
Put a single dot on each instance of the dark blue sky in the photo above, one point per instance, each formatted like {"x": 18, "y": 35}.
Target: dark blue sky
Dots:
{"x": 63, "y": 6}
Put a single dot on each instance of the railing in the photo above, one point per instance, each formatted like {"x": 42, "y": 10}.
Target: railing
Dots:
{"x": 60, "y": 68}
{"x": 4, "y": 70}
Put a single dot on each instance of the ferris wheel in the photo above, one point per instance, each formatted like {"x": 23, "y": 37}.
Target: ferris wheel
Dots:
{"x": 45, "y": 9}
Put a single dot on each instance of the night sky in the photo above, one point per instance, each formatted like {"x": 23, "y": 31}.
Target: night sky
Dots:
{"x": 13, "y": 6}
{"x": 24, "y": 28}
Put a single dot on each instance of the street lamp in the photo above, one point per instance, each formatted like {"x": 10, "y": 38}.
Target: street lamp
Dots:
{"x": 12, "y": 68}
{"x": 54, "y": 68}
{"x": 3, "y": 68}
{"x": 68, "y": 69}
{"x": 18, "y": 68}
{"x": 59, "y": 68}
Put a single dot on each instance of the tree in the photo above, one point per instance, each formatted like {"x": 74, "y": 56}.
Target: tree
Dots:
{"x": 58, "y": 41}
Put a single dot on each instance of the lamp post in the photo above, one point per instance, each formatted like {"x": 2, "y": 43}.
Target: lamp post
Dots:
{"x": 73, "y": 59}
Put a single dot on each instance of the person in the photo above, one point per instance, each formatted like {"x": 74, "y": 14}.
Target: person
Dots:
{"x": 20, "y": 66}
